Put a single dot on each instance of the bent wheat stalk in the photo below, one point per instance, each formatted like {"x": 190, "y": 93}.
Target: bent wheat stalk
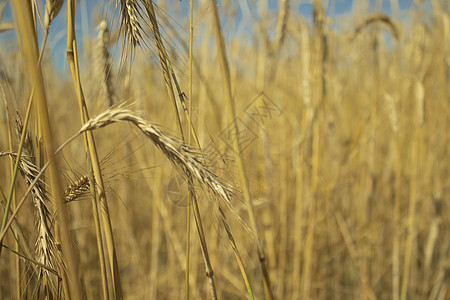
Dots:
{"x": 222, "y": 56}
{"x": 188, "y": 159}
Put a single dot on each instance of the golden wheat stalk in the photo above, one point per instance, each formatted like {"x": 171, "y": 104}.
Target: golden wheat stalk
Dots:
{"x": 188, "y": 159}
{"x": 23, "y": 17}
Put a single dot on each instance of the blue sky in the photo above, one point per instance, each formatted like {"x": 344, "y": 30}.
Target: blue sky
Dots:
{"x": 95, "y": 9}
{"x": 345, "y": 6}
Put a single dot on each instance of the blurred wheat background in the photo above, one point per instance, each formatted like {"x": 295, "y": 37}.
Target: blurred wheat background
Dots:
{"x": 284, "y": 155}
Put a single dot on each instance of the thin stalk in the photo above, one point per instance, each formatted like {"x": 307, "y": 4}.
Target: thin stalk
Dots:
{"x": 23, "y": 242}
{"x": 416, "y": 143}
{"x": 99, "y": 236}
{"x": 309, "y": 239}
{"x": 22, "y": 139}
{"x": 4, "y": 201}
{"x": 54, "y": 272}
{"x": 220, "y": 44}
{"x": 164, "y": 62}
{"x": 14, "y": 204}
{"x": 306, "y": 126}
{"x": 72, "y": 57}
{"x": 198, "y": 222}
{"x": 16, "y": 165}
{"x": 316, "y": 147}
{"x": 411, "y": 220}
{"x": 236, "y": 253}
{"x": 23, "y": 17}
{"x": 204, "y": 248}
{"x": 166, "y": 66}
{"x": 44, "y": 42}
{"x": 396, "y": 241}
{"x": 156, "y": 238}
{"x": 199, "y": 74}
{"x": 188, "y": 241}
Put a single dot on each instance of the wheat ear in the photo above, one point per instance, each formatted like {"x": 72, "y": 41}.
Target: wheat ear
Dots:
{"x": 103, "y": 67}
{"x": 188, "y": 159}
{"x": 45, "y": 243}
{"x": 77, "y": 189}
{"x": 130, "y": 23}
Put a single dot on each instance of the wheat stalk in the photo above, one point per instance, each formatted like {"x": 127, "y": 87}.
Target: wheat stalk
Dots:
{"x": 188, "y": 159}
{"x": 23, "y": 17}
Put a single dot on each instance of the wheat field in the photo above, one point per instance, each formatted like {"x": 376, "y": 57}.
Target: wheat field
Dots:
{"x": 224, "y": 150}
